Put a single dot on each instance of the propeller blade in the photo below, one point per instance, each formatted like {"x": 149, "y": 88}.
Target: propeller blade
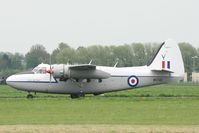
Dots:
{"x": 50, "y": 69}
{"x": 50, "y": 77}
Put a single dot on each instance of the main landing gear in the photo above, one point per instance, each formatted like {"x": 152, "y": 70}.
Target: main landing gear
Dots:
{"x": 29, "y": 96}
{"x": 77, "y": 95}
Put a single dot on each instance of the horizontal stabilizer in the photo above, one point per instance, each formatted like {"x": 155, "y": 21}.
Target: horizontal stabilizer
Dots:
{"x": 167, "y": 71}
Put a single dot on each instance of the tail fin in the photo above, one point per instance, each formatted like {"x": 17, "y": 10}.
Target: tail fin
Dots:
{"x": 168, "y": 58}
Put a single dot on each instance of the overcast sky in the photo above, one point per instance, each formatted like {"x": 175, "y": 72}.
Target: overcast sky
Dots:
{"x": 24, "y": 23}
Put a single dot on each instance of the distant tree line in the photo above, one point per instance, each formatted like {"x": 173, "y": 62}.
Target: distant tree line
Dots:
{"x": 134, "y": 54}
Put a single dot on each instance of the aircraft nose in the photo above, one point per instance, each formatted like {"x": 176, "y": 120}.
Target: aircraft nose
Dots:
{"x": 9, "y": 80}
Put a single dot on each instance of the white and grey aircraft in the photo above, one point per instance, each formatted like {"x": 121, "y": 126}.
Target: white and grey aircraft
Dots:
{"x": 78, "y": 80}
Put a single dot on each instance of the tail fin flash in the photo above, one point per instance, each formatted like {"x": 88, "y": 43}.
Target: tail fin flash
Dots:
{"x": 168, "y": 58}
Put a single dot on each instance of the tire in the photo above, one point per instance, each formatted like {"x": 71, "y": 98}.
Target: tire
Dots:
{"x": 73, "y": 96}
{"x": 29, "y": 96}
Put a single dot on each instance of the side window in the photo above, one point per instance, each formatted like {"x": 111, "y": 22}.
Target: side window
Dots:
{"x": 40, "y": 70}
{"x": 35, "y": 70}
{"x": 43, "y": 70}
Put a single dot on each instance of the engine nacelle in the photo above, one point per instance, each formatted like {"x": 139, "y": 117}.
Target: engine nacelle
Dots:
{"x": 63, "y": 71}
{"x": 59, "y": 70}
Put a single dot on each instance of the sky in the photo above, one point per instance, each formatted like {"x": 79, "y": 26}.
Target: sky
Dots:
{"x": 24, "y": 23}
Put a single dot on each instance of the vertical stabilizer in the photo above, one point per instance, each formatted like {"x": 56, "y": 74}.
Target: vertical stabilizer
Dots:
{"x": 168, "y": 58}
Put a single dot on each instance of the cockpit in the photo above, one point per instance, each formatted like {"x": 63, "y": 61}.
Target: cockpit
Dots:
{"x": 41, "y": 69}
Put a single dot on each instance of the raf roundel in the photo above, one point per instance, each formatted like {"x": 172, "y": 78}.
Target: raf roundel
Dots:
{"x": 133, "y": 81}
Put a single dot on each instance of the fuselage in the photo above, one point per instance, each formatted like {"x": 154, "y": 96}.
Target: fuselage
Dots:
{"x": 166, "y": 66}
{"x": 120, "y": 79}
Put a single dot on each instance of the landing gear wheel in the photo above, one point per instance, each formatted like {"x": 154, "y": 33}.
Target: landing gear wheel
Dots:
{"x": 73, "y": 96}
{"x": 100, "y": 80}
{"x": 29, "y": 96}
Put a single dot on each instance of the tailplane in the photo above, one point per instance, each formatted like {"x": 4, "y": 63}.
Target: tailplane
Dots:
{"x": 168, "y": 59}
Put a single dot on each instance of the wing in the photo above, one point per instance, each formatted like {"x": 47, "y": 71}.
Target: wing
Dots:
{"x": 84, "y": 71}
{"x": 83, "y": 67}
{"x": 87, "y": 71}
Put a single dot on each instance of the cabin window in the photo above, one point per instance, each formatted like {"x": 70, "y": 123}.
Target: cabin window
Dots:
{"x": 40, "y": 70}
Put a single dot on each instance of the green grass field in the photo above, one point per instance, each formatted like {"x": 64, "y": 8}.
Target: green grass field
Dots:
{"x": 171, "y": 105}
{"x": 165, "y": 104}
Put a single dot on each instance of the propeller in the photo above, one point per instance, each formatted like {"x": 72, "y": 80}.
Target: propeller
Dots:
{"x": 50, "y": 71}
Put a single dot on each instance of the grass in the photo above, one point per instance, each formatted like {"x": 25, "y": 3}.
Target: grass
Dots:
{"x": 159, "y": 105}
{"x": 100, "y": 111}
{"x": 174, "y": 90}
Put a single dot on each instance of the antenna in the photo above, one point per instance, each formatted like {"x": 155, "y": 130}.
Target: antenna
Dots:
{"x": 90, "y": 62}
{"x": 115, "y": 64}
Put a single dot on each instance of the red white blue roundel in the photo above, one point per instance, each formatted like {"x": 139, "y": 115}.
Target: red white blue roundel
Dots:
{"x": 133, "y": 81}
